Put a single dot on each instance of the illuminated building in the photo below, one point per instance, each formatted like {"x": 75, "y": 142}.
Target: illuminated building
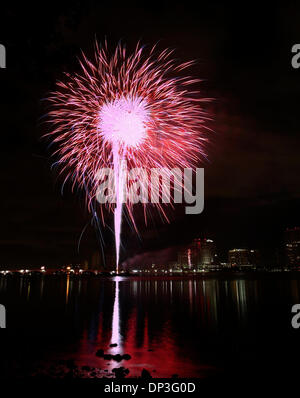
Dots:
{"x": 239, "y": 257}
{"x": 292, "y": 246}
{"x": 207, "y": 253}
{"x": 201, "y": 253}
{"x": 243, "y": 258}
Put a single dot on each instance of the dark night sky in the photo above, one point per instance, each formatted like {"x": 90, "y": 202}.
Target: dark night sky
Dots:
{"x": 244, "y": 57}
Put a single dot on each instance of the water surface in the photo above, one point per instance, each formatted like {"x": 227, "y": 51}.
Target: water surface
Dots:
{"x": 191, "y": 327}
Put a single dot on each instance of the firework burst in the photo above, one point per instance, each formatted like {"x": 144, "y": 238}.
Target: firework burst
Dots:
{"x": 134, "y": 107}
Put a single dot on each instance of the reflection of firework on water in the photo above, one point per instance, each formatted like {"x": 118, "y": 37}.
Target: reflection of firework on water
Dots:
{"x": 125, "y": 107}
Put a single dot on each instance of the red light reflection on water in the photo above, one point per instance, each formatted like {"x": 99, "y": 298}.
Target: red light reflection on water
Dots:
{"x": 163, "y": 357}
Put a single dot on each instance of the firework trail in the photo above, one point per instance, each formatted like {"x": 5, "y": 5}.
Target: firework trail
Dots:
{"x": 135, "y": 108}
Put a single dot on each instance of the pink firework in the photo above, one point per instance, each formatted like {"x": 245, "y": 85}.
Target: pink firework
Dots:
{"x": 126, "y": 107}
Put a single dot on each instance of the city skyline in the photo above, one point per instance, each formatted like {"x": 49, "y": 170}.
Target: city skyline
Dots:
{"x": 199, "y": 253}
